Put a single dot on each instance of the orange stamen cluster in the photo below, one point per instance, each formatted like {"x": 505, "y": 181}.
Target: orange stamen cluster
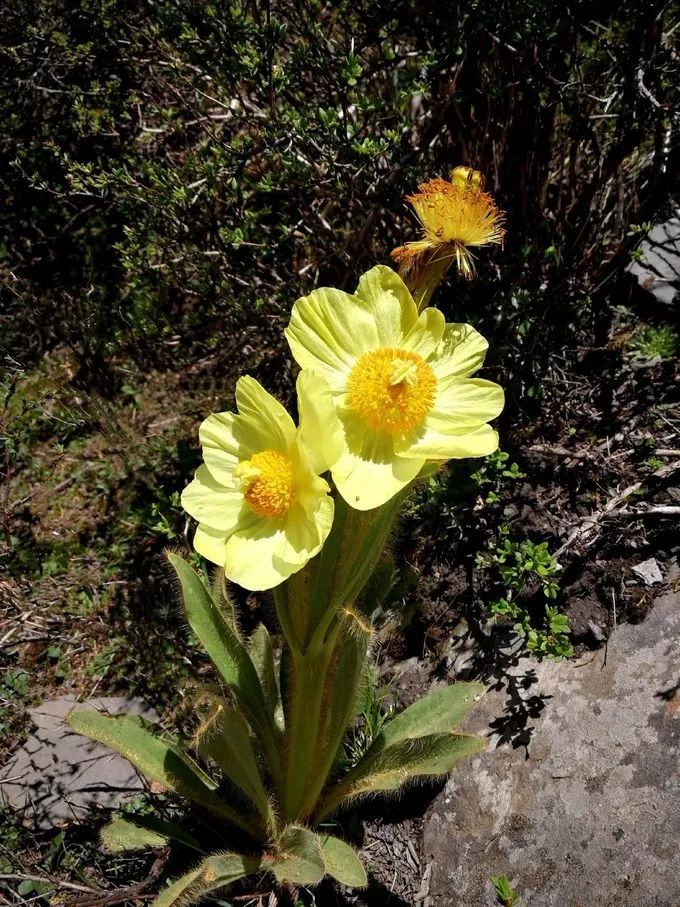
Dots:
{"x": 392, "y": 390}
{"x": 268, "y": 480}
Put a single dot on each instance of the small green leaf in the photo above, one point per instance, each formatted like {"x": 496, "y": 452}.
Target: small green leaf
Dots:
{"x": 343, "y": 862}
{"x": 120, "y": 836}
{"x": 299, "y": 859}
{"x": 503, "y": 891}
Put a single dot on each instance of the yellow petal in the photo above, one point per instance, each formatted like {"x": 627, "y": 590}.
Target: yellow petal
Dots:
{"x": 440, "y": 445}
{"x": 390, "y": 304}
{"x": 468, "y": 401}
{"x": 461, "y": 407}
{"x": 251, "y": 557}
{"x": 226, "y": 441}
{"x": 211, "y": 543}
{"x": 303, "y": 537}
{"x": 427, "y": 333}
{"x": 320, "y": 429}
{"x": 274, "y": 426}
{"x": 461, "y": 352}
{"x": 328, "y": 330}
{"x": 369, "y": 472}
{"x": 214, "y": 505}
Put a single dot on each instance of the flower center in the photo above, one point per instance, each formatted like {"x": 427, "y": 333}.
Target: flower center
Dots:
{"x": 268, "y": 483}
{"x": 392, "y": 390}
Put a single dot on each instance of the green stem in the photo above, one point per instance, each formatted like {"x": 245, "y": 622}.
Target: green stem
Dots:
{"x": 350, "y": 664}
{"x": 302, "y": 734}
{"x": 322, "y": 680}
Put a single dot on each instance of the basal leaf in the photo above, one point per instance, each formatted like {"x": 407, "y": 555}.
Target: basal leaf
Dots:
{"x": 228, "y": 744}
{"x": 176, "y": 894}
{"x": 343, "y": 862}
{"x": 214, "y": 872}
{"x": 391, "y": 768}
{"x": 155, "y": 759}
{"x": 120, "y": 836}
{"x": 440, "y": 712}
{"x": 299, "y": 859}
{"x": 262, "y": 656}
{"x": 131, "y": 827}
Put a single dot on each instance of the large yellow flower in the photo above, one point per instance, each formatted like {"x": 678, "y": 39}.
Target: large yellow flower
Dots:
{"x": 263, "y": 511}
{"x": 392, "y": 388}
{"x": 454, "y": 216}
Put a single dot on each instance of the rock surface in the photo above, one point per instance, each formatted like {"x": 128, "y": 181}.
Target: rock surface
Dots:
{"x": 578, "y": 799}
{"x": 57, "y": 776}
{"x": 658, "y": 271}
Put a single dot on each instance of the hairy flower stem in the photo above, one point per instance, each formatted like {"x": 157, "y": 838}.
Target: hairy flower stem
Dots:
{"x": 308, "y": 684}
{"x": 423, "y": 277}
{"x": 314, "y": 609}
{"x": 343, "y": 682}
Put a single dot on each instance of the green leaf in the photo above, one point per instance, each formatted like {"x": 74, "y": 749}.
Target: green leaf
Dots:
{"x": 262, "y": 656}
{"x": 214, "y": 872}
{"x": 343, "y": 862}
{"x": 228, "y": 654}
{"x": 177, "y": 892}
{"x": 228, "y": 744}
{"x": 439, "y": 712}
{"x": 300, "y": 858}
{"x": 391, "y": 768}
{"x": 130, "y": 828}
{"x": 120, "y": 836}
{"x": 155, "y": 759}
{"x": 220, "y": 596}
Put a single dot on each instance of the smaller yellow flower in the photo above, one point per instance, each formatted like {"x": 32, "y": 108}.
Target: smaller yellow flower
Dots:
{"x": 454, "y": 216}
{"x": 263, "y": 510}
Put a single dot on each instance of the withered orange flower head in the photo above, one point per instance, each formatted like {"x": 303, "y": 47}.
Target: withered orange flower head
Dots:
{"x": 454, "y": 215}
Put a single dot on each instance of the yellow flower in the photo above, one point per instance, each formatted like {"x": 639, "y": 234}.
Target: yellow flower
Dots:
{"x": 391, "y": 388}
{"x": 454, "y": 216}
{"x": 263, "y": 511}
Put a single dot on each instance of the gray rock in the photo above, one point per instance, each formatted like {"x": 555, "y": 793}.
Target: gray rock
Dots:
{"x": 57, "y": 775}
{"x": 581, "y": 806}
{"x": 659, "y": 270}
{"x": 649, "y": 572}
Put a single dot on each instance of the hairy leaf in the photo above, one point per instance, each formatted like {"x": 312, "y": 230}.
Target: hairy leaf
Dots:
{"x": 178, "y": 892}
{"x": 214, "y": 872}
{"x": 132, "y": 826}
{"x": 228, "y": 654}
{"x": 155, "y": 759}
{"x": 391, "y": 768}
{"x": 120, "y": 836}
{"x": 440, "y": 712}
{"x": 222, "y": 599}
{"x": 262, "y": 656}
{"x": 300, "y": 858}
{"x": 228, "y": 744}
{"x": 343, "y": 862}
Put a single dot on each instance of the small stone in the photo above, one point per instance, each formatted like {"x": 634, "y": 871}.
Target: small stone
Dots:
{"x": 596, "y": 631}
{"x": 649, "y": 572}
{"x": 57, "y": 775}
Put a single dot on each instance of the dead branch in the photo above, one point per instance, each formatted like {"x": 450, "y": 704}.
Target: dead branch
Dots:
{"x": 588, "y": 525}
